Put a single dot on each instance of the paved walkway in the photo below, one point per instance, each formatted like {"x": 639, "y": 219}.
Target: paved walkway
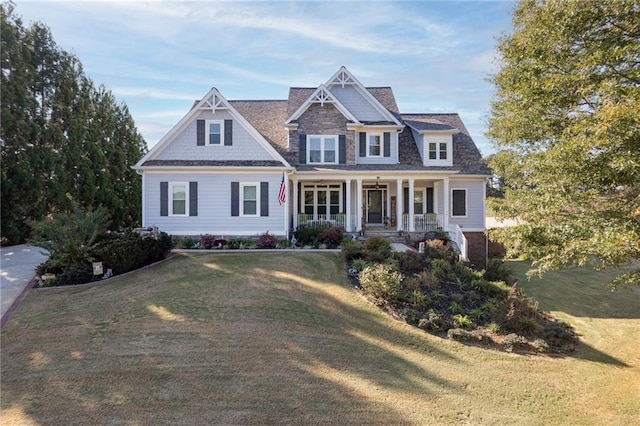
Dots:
{"x": 17, "y": 269}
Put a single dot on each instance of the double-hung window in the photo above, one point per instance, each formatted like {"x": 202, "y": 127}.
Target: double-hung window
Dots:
{"x": 215, "y": 132}
{"x": 250, "y": 197}
{"x": 375, "y": 145}
{"x": 437, "y": 151}
{"x": 178, "y": 194}
{"x": 322, "y": 150}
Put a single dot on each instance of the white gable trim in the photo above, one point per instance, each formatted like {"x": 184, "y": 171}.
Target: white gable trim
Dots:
{"x": 215, "y": 101}
{"x": 321, "y": 96}
{"x": 344, "y": 77}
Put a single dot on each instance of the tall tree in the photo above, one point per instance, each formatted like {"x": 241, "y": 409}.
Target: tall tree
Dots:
{"x": 60, "y": 134}
{"x": 566, "y": 117}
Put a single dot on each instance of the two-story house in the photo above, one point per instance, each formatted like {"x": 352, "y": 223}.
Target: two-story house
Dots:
{"x": 344, "y": 153}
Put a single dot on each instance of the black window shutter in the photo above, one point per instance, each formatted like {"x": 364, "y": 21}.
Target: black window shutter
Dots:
{"x": 235, "y": 198}
{"x": 228, "y": 132}
{"x": 363, "y": 144}
{"x": 264, "y": 198}
{"x": 344, "y": 197}
{"x": 342, "y": 149}
{"x": 459, "y": 202}
{"x": 193, "y": 198}
{"x": 387, "y": 144}
{"x": 164, "y": 198}
{"x": 303, "y": 149}
{"x": 429, "y": 200}
{"x": 405, "y": 200}
{"x": 200, "y": 133}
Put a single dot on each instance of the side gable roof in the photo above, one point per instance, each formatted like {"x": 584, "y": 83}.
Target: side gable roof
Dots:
{"x": 212, "y": 100}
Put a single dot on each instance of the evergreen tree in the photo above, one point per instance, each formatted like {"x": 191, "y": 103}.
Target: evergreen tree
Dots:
{"x": 60, "y": 135}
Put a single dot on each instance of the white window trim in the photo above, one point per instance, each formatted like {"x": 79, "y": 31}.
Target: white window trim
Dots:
{"x": 381, "y": 136}
{"x": 424, "y": 199}
{"x": 207, "y": 133}
{"x": 438, "y": 160}
{"x": 466, "y": 202}
{"x": 186, "y": 199}
{"x": 315, "y": 189}
{"x": 322, "y": 138}
{"x": 241, "y": 198}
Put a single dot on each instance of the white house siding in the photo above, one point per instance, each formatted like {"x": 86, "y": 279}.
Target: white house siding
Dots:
{"x": 474, "y": 221}
{"x": 392, "y": 159}
{"x": 184, "y": 147}
{"x": 214, "y": 205}
{"x": 357, "y": 105}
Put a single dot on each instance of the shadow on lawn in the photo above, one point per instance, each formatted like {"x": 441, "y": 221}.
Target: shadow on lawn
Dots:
{"x": 264, "y": 345}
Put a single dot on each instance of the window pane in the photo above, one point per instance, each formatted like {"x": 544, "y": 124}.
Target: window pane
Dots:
{"x": 443, "y": 151}
{"x": 432, "y": 151}
{"x": 329, "y": 156}
{"x": 329, "y": 144}
{"x": 308, "y": 197}
{"x": 334, "y": 209}
{"x": 417, "y": 196}
{"x": 459, "y": 202}
{"x": 322, "y": 197}
{"x": 374, "y": 145}
{"x": 249, "y": 207}
{"x": 335, "y": 197}
{"x": 179, "y": 192}
{"x": 315, "y": 156}
{"x": 214, "y": 133}
{"x": 417, "y": 208}
{"x": 250, "y": 193}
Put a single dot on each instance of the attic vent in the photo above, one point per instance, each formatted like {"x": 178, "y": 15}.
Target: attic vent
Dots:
{"x": 343, "y": 78}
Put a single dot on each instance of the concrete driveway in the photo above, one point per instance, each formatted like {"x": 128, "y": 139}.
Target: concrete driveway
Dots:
{"x": 17, "y": 269}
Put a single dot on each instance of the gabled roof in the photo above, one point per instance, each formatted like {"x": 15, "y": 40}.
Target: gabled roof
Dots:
{"x": 384, "y": 103}
{"x": 321, "y": 96}
{"x": 215, "y": 101}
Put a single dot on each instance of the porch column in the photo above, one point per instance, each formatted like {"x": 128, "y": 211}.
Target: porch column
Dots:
{"x": 359, "y": 204}
{"x": 294, "y": 202}
{"x": 347, "y": 208}
{"x": 399, "y": 204}
{"x": 411, "y": 209}
{"x": 445, "y": 200}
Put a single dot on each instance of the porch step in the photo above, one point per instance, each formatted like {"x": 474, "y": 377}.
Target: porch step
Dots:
{"x": 390, "y": 234}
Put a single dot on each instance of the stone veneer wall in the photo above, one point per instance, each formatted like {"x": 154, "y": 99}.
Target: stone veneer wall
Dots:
{"x": 477, "y": 248}
{"x": 323, "y": 120}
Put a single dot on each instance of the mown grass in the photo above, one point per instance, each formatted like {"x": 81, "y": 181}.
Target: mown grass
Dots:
{"x": 273, "y": 338}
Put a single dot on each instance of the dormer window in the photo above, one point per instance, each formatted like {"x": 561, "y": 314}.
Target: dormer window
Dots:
{"x": 437, "y": 151}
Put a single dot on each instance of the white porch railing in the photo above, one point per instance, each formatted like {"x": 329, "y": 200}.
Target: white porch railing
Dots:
{"x": 423, "y": 222}
{"x": 456, "y": 235}
{"x": 323, "y": 219}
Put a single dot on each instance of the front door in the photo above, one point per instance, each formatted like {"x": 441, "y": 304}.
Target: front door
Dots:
{"x": 374, "y": 205}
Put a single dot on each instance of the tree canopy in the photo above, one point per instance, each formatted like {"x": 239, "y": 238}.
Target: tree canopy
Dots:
{"x": 566, "y": 119}
{"x": 60, "y": 135}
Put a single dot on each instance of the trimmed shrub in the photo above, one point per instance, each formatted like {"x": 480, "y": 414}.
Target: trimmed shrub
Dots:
{"x": 307, "y": 235}
{"x": 331, "y": 236}
{"x": 381, "y": 282}
{"x": 77, "y": 273}
{"x": 124, "y": 253}
{"x": 267, "y": 241}
{"x": 351, "y": 250}
{"x": 377, "y": 249}
{"x": 410, "y": 261}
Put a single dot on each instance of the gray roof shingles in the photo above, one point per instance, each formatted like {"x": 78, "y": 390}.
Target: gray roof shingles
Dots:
{"x": 268, "y": 118}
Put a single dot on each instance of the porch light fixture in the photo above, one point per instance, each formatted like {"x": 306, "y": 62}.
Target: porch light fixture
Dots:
{"x": 377, "y": 182}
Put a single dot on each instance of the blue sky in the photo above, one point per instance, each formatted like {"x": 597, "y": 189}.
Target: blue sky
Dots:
{"x": 158, "y": 57}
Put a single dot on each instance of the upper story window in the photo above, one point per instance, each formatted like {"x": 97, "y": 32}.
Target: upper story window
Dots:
{"x": 375, "y": 145}
{"x": 437, "y": 151}
{"x": 215, "y": 133}
{"x": 322, "y": 149}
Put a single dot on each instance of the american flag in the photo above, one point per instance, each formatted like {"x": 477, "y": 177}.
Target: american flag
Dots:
{"x": 282, "y": 193}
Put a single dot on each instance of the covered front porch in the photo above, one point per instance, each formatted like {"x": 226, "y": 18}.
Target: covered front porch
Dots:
{"x": 410, "y": 203}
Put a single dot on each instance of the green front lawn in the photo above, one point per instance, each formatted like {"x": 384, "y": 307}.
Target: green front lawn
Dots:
{"x": 273, "y": 338}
